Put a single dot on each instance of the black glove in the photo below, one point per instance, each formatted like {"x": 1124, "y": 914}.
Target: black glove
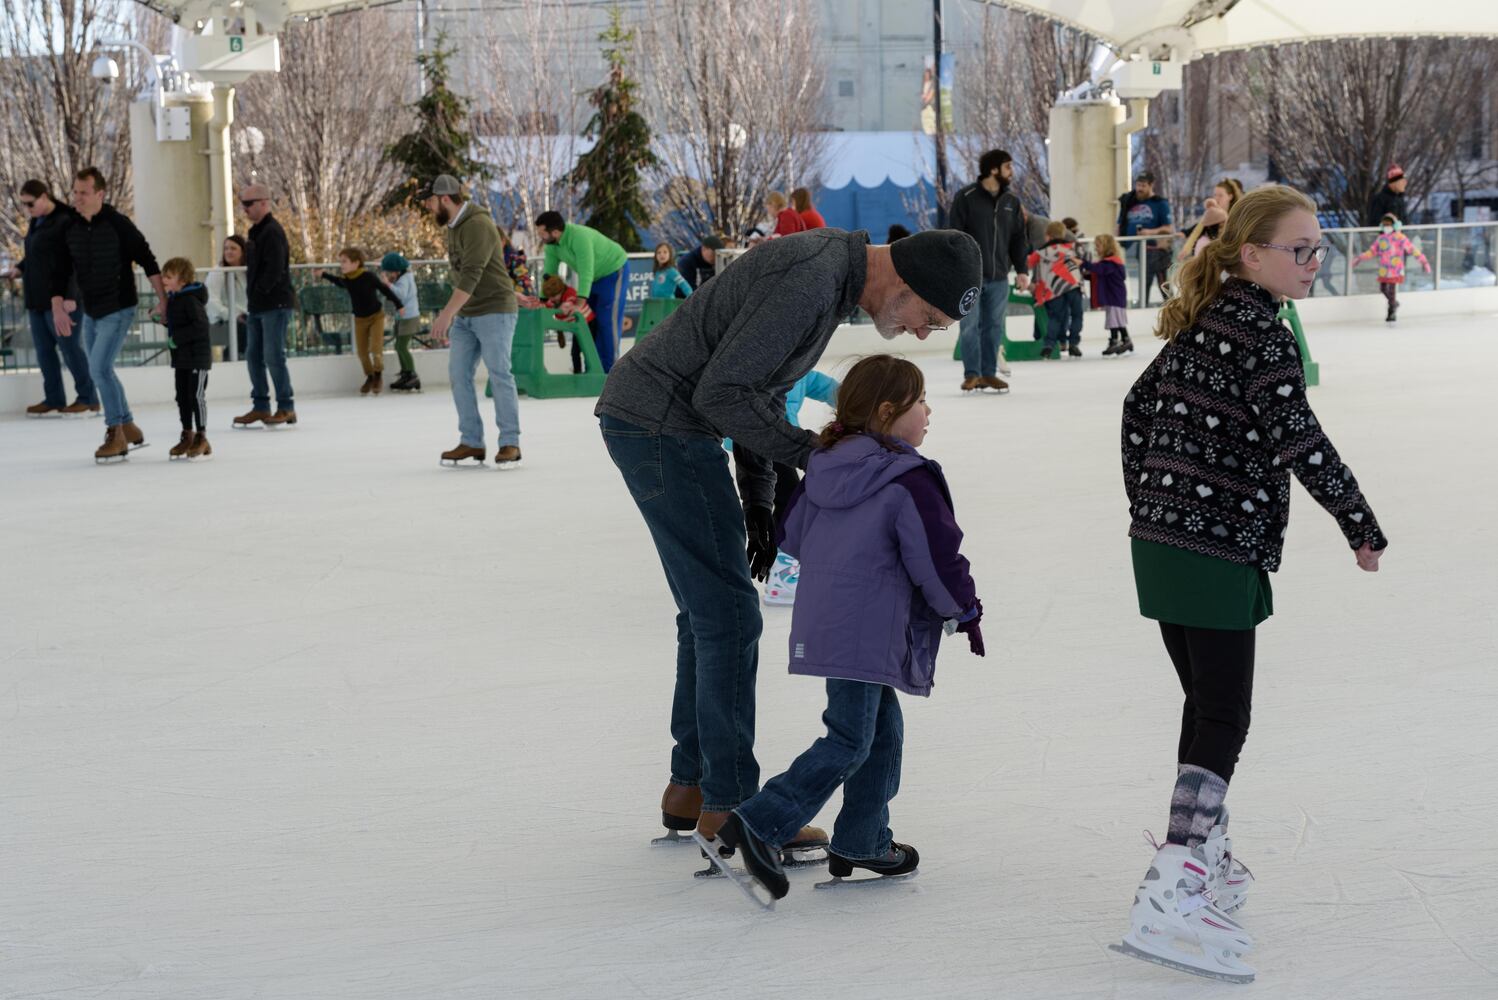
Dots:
{"x": 759, "y": 525}
{"x": 974, "y": 631}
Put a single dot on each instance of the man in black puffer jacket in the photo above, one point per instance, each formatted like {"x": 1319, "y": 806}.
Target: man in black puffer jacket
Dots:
{"x": 101, "y": 247}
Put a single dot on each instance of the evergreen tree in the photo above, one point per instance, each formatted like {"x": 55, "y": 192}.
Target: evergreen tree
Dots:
{"x": 441, "y": 142}
{"x": 621, "y": 149}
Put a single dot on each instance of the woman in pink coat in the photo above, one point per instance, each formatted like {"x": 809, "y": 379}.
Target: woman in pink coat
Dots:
{"x": 1391, "y": 247}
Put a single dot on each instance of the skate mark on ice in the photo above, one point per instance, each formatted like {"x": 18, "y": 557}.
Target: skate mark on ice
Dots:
{"x": 1420, "y": 898}
{"x": 1303, "y": 834}
{"x": 236, "y": 676}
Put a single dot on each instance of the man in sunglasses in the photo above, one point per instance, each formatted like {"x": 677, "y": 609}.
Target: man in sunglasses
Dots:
{"x": 268, "y": 288}
{"x": 43, "y": 273}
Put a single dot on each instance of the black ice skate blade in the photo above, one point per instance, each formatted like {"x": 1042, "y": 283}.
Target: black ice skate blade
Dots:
{"x": 751, "y": 887}
{"x": 837, "y": 882}
{"x": 1227, "y": 977}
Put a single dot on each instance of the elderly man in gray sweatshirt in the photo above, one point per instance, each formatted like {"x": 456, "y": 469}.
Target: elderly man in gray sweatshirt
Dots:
{"x": 720, "y": 367}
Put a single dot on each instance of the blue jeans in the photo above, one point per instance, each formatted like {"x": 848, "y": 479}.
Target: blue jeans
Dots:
{"x": 861, "y": 752}
{"x": 981, "y": 331}
{"x": 47, "y": 343}
{"x": 1063, "y": 317}
{"x": 488, "y": 336}
{"x": 102, "y": 339}
{"x": 265, "y": 347}
{"x": 607, "y": 299}
{"x": 686, "y": 495}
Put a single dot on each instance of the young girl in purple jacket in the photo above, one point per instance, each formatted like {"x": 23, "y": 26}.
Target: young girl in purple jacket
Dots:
{"x": 873, "y": 526}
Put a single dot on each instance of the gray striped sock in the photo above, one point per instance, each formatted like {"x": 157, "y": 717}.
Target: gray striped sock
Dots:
{"x": 1195, "y": 805}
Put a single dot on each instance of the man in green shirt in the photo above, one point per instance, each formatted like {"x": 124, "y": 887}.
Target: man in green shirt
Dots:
{"x": 601, "y": 268}
{"x": 480, "y": 318}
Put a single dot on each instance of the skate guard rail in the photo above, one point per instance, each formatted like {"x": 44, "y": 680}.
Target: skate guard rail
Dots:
{"x": 1462, "y": 255}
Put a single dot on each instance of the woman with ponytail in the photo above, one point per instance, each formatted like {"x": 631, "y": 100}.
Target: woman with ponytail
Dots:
{"x": 1211, "y": 432}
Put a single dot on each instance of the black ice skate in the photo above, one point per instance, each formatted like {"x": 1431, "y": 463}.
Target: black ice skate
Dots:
{"x": 764, "y": 881}
{"x": 899, "y": 863}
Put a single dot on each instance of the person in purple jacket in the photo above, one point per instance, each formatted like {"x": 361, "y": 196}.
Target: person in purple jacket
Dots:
{"x": 881, "y": 573}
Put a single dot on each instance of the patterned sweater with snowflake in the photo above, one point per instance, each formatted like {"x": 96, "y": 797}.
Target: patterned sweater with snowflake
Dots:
{"x": 1213, "y": 429}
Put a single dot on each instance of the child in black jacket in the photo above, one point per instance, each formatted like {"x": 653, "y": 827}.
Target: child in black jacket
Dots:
{"x": 192, "y": 354}
{"x": 363, "y": 289}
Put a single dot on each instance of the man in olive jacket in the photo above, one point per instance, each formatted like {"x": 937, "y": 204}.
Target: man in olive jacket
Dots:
{"x": 480, "y": 318}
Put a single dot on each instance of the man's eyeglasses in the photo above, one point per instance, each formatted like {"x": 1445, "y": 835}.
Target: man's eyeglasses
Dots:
{"x": 27, "y": 203}
{"x": 1303, "y": 255}
{"x": 246, "y": 204}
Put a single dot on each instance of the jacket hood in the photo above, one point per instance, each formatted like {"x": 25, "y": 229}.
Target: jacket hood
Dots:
{"x": 194, "y": 290}
{"x": 856, "y": 468}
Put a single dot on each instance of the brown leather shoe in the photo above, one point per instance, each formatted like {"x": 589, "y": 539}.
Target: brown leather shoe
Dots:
{"x": 79, "y": 410}
{"x": 44, "y": 410}
{"x": 994, "y": 382}
{"x": 971, "y": 383}
{"x": 114, "y": 448}
{"x": 376, "y": 382}
{"x": 507, "y": 456}
{"x": 200, "y": 449}
{"x": 709, "y": 823}
{"x": 462, "y": 453}
{"x": 133, "y": 436}
{"x": 680, "y": 806}
{"x": 368, "y": 384}
{"x": 252, "y": 418}
{"x": 182, "y": 447}
{"x": 281, "y": 418}
{"x": 807, "y": 838}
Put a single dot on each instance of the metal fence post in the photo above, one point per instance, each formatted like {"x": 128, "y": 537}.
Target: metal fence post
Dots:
{"x": 233, "y": 317}
{"x": 1435, "y": 271}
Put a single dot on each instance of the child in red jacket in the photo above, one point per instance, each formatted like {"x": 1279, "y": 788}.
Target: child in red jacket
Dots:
{"x": 1057, "y": 268}
{"x": 557, "y": 294}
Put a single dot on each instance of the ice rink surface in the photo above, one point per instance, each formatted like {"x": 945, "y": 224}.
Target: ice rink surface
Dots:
{"x": 320, "y": 719}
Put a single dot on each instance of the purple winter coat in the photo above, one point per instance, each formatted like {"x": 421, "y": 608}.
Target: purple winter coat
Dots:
{"x": 880, "y": 567}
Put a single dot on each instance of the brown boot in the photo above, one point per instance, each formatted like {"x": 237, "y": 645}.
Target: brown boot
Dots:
{"x": 463, "y": 453}
{"x": 281, "y": 418}
{"x": 680, "y": 806}
{"x": 995, "y": 383}
{"x": 133, "y": 436}
{"x": 971, "y": 383}
{"x": 368, "y": 383}
{"x": 200, "y": 447}
{"x": 44, "y": 410}
{"x": 808, "y": 838}
{"x": 709, "y": 823}
{"x": 376, "y": 382}
{"x": 77, "y": 409}
{"x": 251, "y": 419}
{"x": 114, "y": 448}
{"x": 507, "y": 457}
{"x": 182, "y": 447}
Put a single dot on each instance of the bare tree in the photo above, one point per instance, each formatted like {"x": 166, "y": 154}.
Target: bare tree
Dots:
{"x": 1171, "y": 147}
{"x": 528, "y": 111}
{"x": 325, "y": 119}
{"x": 1005, "y": 90}
{"x": 1335, "y": 114}
{"x": 736, "y": 93}
{"x": 58, "y": 118}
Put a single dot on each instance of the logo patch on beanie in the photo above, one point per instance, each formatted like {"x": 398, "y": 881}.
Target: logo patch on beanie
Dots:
{"x": 968, "y": 298}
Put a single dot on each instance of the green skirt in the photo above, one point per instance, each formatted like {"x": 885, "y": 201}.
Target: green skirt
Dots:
{"x": 1184, "y": 588}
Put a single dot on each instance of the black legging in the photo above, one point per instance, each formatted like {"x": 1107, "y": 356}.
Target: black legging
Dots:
{"x": 192, "y": 406}
{"x": 1216, "y": 668}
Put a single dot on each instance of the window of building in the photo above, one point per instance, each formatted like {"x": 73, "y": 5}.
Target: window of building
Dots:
{"x": 845, "y": 88}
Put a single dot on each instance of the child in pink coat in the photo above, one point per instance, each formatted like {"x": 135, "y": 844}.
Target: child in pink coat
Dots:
{"x": 1391, "y": 247}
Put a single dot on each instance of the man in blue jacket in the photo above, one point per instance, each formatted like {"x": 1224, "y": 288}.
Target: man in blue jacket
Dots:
{"x": 1141, "y": 212}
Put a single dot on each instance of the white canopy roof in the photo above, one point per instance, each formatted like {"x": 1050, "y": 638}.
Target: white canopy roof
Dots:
{"x": 1198, "y": 27}
{"x": 273, "y": 14}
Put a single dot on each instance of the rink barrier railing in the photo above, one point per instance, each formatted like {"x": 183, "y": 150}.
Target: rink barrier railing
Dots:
{"x": 1462, "y": 255}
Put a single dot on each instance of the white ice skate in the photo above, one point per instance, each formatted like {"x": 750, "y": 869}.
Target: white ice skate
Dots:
{"x": 1174, "y": 923}
{"x": 1230, "y": 878}
{"x": 780, "y": 589}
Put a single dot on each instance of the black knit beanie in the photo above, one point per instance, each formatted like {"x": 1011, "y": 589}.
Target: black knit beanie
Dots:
{"x": 942, "y": 266}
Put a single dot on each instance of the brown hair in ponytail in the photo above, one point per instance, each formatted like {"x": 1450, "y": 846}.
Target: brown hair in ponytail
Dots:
{"x": 875, "y": 380}
{"x": 1253, "y": 220}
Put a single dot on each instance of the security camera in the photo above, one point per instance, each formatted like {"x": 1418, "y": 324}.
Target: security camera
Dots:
{"x": 105, "y": 69}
